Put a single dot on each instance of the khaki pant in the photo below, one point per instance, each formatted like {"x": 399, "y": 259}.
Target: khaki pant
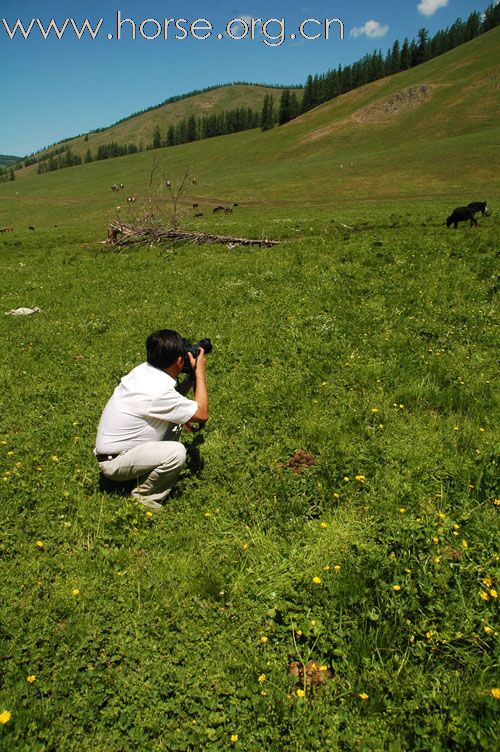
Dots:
{"x": 155, "y": 466}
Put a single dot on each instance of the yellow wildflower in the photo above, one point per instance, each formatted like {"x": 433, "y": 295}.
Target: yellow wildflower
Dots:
{"x": 441, "y": 516}
{"x": 465, "y": 544}
{"x": 484, "y": 595}
{"x": 245, "y": 547}
{"x": 54, "y": 458}
{"x": 402, "y": 510}
{"x": 149, "y": 514}
{"x": 40, "y": 544}
{"x": 299, "y": 633}
{"x": 262, "y": 678}
{"x": 75, "y": 591}
{"x": 437, "y": 559}
{"x": 435, "y": 539}
{"x": 361, "y": 478}
{"x": 493, "y": 593}
{"x": 9, "y": 454}
{"x": 363, "y": 696}
{"x": 337, "y": 567}
{"x": 301, "y": 693}
{"x": 323, "y": 668}
{"x": 346, "y": 477}
{"x": 429, "y": 634}
{"x": 326, "y": 568}
{"x": 5, "y": 716}
{"x": 488, "y": 581}
{"x": 263, "y": 639}
{"x": 489, "y": 630}
{"x": 336, "y": 496}
{"x": 495, "y": 691}
{"x": 316, "y": 580}
{"x": 396, "y": 587}
{"x": 234, "y": 738}
{"x": 323, "y": 524}
{"x": 31, "y": 678}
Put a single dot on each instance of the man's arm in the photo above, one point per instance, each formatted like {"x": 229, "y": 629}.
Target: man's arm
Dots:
{"x": 200, "y": 389}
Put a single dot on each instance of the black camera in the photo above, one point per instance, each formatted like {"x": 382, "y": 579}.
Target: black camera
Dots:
{"x": 206, "y": 344}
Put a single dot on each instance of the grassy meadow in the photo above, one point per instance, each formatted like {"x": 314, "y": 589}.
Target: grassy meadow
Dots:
{"x": 374, "y": 350}
{"x": 349, "y": 606}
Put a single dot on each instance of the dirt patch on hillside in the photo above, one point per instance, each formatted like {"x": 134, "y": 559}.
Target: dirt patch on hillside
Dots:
{"x": 401, "y": 101}
{"x": 380, "y": 112}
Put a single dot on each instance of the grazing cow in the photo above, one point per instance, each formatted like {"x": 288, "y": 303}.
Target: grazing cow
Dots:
{"x": 218, "y": 209}
{"x": 228, "y": 209}
{"x": 461, "y": 214}
{"x": 31, "y": 227}
{"x": 235, "y": 204}
{"x": 6, "y": 229}
{"x": 131, "y": 200}
{"x": 479, "y": 206}
{"x": 195, "y": 206}
{"x": 200, "y": 214}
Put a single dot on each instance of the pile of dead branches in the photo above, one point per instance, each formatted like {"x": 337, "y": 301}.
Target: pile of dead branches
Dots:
{"x": 120, "y": 235}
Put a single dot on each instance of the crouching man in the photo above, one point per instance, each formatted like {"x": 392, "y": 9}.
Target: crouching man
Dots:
{"x": 138, "y": 434}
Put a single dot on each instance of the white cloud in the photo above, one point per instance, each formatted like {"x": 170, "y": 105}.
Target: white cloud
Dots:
{"x": 372, "y": 29}
{"x": 428, "y": 7}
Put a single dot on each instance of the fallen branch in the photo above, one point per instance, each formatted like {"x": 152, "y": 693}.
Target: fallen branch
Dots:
{"x": 120, "y": 235}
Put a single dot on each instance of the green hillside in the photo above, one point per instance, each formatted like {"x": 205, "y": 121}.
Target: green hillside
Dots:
{"x": 427, "y": 133}
{"x": 139, "y": 129}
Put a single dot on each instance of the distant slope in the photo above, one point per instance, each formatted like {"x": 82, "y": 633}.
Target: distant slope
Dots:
{"x": 139, "y": 129}
{"x": 6, "y": 160}
{"x": 430, "y": 133}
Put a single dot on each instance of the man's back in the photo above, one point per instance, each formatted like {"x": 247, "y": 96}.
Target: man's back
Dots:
{"x": 140, "y": 409}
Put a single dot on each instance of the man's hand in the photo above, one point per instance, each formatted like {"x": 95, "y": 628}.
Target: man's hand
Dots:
{"x": 198, "y": 363}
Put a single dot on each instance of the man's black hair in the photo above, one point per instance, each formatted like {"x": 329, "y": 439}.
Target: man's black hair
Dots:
{"x": 163, "y": 348}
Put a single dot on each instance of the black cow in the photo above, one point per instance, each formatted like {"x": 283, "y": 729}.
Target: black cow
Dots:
{"x": 461, "y": 214}
{"x": 479, "y": 206}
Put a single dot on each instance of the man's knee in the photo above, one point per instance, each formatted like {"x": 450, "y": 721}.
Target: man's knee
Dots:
{"x": 177, "y": 454}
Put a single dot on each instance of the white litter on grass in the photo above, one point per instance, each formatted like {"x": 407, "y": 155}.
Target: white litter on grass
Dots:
{"x": 22, "y": 311}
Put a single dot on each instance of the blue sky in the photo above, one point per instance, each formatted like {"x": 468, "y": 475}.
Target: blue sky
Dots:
{"x": 51, "y": 89}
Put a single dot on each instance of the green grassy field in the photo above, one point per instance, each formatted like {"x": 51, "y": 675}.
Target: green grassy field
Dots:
{"x": 368, "y": 338}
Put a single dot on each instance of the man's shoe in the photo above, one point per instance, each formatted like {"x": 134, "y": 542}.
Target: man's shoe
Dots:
{"x": 153, "y": 506}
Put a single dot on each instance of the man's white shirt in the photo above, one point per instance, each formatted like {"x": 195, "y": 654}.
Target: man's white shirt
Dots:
{"x": 143, "y": 405}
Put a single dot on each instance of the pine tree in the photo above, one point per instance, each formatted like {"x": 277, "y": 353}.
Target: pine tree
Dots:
{"x": 171, "y": 136}
{"x": 422, "y": 46}
{"x": 308, "y": 96}
{"x": 405, "y": 55}
{"x": 157, "y": 142}
{"x": 267, "y": 117}
{"x": 88, "y": 157}
{"x": 284, "y": 111}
